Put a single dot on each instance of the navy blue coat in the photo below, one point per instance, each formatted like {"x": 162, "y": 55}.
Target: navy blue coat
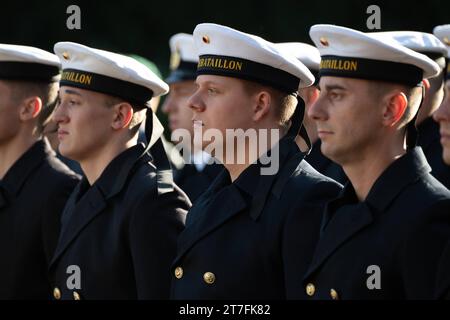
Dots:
{"x": 120, "y": 233}
{"x": 429, "y": 140}
{"x": 253, "y": 238}
{"x": 195, "y": 182}
{"x": 443, "y": 279}
{"x": 401, "y": 228}
{"x": 32, "y": 197}
{"x": 324, "y": 165}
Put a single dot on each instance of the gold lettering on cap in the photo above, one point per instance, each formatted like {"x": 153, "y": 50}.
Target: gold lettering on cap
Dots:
{"x": 334, "y": 64}
{"x": 220, "y": 63}
{"x": 77, "y": 77}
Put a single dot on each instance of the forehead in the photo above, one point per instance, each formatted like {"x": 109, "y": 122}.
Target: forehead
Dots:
{"x": 218, "y": 80}
{"x": 349, "y": 84}
{"x": 83, "y": 93}
{"x": 182, "y": 84}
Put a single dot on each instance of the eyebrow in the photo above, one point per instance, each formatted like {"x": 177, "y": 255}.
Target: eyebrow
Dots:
{"x": 208, "y": 82}
{"x": 68, "y": 91}
{"x": 330, "y": 87}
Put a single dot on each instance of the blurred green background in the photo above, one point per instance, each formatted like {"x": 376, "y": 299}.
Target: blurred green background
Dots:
{"x": 144, "y": 27}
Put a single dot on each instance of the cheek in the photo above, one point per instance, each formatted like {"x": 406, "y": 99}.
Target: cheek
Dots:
{"x": 90, "y": 124}
{"x": 446, "y": 154}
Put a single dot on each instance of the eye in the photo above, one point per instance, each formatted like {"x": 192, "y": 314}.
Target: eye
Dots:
{"x": 334, "y": 95}
{"x": 212, "y": 91}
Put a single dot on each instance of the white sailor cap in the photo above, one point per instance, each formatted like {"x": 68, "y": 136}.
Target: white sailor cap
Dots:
{"x": 443, "y": 33}
{"x": 422, "y": 42}
{"x": 227, "y": 52}
{"x": 109, "y": 73}
{"x": 28, "y": 63}
{"x": 183, "y": 58}
{"x": 306, "y": 53}
{"x": 350, "y": 53}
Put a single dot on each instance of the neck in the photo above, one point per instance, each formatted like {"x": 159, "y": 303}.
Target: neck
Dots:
{"x": 235, "y": 169}
{"x": 11, "y": 151}
{"x": 94, "y": 166}
{"x": 364, "y": 172}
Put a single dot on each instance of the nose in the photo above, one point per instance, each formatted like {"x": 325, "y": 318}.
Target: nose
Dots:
{"x": 60, "y": 114}
{"x": 317, "y": 110}
{"x": 443, "y": 113}
{"x": 196, "y": 103}
{"x": 168, "y": 104}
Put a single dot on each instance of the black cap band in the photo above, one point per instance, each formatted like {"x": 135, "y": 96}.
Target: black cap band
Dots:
{"x": 17, "y": 70}
{"x": 369, "y": 69}
{"x": 185, "y": 71}
{"x": 248, "y": 70}
{"x": 128, "y": 91}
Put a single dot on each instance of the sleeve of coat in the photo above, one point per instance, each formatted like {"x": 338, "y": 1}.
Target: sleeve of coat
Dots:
{"x": 154, "y": 229}
{"x": 422, "y": 250}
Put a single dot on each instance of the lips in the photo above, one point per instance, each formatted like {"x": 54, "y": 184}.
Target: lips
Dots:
{"x": 323, "y": 133}
{"x": 62, "y": 133}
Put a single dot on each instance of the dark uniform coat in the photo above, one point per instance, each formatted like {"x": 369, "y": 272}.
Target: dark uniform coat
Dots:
{"x": 429, "y": 140}
{"x": 324, "y": 165}
{"x": 119, "y": 233}
{"x": 443, "y": 279}
{"x": 195, "y": 182}
{"x": 388, "y": 246}
{"x": 32, "y": 197}
{"x": 251, "y": 239}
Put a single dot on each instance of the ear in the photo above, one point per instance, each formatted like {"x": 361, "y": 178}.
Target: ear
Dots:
{"x": 262, "y": 105}
{"x": 123, "y": 113}
{"x": 426, "y": 84}
{"x": 310, "y": 95}
{"x": 30, "y": 108}
{"x": 395, "y": 107}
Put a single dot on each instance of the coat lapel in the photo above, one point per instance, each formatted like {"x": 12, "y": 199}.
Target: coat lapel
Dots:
{"x": 344, "y": 224}
{"x": 80, "y": 215}
{"x": 227, "y": 203}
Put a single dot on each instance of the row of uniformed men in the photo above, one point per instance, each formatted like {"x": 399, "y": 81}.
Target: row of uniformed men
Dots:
{"x": 122, "y": 231}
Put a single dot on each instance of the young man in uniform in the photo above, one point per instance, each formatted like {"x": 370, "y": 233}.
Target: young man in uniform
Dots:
{"x": 442, "y": 116}
{"x": 34, "y": 184}
{"x": 196, "y": 175}
{"x": 250, "y": 236}
{"x": 382, "y": 237}
{"x": 310, "y": 57}
{"x": 120, "y": 225}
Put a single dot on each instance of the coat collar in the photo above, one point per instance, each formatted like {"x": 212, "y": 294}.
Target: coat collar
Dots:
{"x": 248, "y": 192}
{"x": 86, "y": 202}
{"x": 20, "y": 171}
{"x": 345, "y": 216}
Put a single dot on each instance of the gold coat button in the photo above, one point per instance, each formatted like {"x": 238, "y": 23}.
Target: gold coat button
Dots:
{"x": 209, "y": 277}
{"x": 310, "y": 289}
{"x": 178, "y": 272}
{"x": 334, "y": 295}
{"x": 56, "y": 293}
{"x": 76, "y": 296}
